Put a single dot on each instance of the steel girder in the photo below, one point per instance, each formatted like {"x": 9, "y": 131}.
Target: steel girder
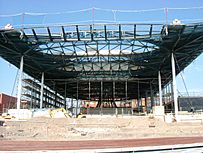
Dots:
{"x": 102, "y": 53}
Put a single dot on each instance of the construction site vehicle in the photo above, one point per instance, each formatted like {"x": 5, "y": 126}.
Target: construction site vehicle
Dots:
{"x": 6, "y": 116}
{"x": 53, "y": 112}
{"x": 81, "y": 116}
{"x": 61, "y": 112}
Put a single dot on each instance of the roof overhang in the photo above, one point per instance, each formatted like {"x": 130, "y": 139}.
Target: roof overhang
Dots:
{"x": 132, "y": 52}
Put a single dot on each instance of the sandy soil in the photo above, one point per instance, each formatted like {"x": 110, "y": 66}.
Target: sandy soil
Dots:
{"x": 105, "y": 128}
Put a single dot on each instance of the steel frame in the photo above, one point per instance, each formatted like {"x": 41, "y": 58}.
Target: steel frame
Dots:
{"x": 73, "y": 54}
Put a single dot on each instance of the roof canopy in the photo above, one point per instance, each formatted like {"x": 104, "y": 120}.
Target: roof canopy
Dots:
{"x": 72, "y": 54}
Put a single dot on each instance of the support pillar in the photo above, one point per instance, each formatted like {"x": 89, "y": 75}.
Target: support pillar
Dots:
{"x": 89, "y": 90}
{"x": 20, "y": 84}
{"x": 101, "y": 113}
{"x": 158, "y": 110}
{"x": 55, "y": 99}
{"x": 114, "y": 87}
{"x": 46, "y": 98}
{"x": 32, "y": 95}
{"x": 113, "y": 91}
{"x": 42, "y": 90}
{"x": 88, "y": 107}
{"x": 175, "y": 96}
{"x": 151, "y": 95}
{"x": 126, "y": 91}
{"x": 76, "y": 111}
{"x": 72, "y": 103}
{"x": 146, "y": 101}
{"x": 160, "y": 90}
{"x": 166, "y": 94}
{"x": 35, "y": 97}
{"x": 172, "y": 96}
{"x": 138, "y": 96}
{"x": 65, "y": 95}
{"x": 55, "y": 95}
{"x": 101, "y": 93}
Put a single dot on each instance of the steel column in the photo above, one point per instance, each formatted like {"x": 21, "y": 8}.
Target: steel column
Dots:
{"x": 35, "y": 97}
{"x": 101, "y": 93}
{"x": 175, "y": 96}
{"x": 138, "y": 96}
{"x": 126, "y": 91}
{"x": 31, "y": 102}
{"x": 146, "y": 100}
{"x": 151, "y": 95}
{"x": 55, "y": 98}
{"x": 160, "y": 90}
{"x": 171, "y": 90}
{"x": 89, "y": 90}
{"x": 72, "y": 103}
{"x": 42, "y": 90}
{"x": 46, "y": 98}
{"x": 55, "y": 93}
{"x": 76, "y": 112}
{"x": 167, "y": 95}
{"x": 20, "y": 84}
{"x": 65, "y": 95}
{"x": 113, "y": 91}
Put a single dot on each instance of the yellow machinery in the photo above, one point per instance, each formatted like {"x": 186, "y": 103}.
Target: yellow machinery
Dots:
{"x": 7, "y": 116}
{"x": 66, "y": 113}
{"x": 53, "y": 112}
{"x": 81, "y": 116}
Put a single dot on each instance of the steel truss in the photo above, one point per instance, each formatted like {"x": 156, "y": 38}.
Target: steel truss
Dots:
{"x": 83, "y": 56}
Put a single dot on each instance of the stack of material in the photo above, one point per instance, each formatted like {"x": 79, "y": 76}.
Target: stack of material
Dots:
{"x": 20, "y": 114}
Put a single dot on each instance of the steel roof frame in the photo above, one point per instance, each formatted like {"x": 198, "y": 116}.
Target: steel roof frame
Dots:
{"x": 110, "y": 53}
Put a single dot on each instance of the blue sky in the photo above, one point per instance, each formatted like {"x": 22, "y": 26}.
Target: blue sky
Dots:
{"x": 192, "y": 74}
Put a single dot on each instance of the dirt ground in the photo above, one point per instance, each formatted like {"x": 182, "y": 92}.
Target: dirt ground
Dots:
{"x": 105, "y": 128}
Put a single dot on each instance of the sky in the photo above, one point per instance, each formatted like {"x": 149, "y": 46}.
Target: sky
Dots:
{"x": 192, "y": 74}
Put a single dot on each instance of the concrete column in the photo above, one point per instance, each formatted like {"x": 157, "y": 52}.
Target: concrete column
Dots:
{"x": 175, "y": 96}
{"x": 160, "y": 90}
{"x": 42, "y": 90}
{"x": 20, "y": 83}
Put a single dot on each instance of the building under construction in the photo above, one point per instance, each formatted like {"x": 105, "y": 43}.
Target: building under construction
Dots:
{"x": 110, "y": 65}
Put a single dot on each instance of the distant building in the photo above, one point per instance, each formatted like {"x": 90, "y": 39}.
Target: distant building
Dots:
{"x": 191, "y": 103}
{"x": 7, "y": 102}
